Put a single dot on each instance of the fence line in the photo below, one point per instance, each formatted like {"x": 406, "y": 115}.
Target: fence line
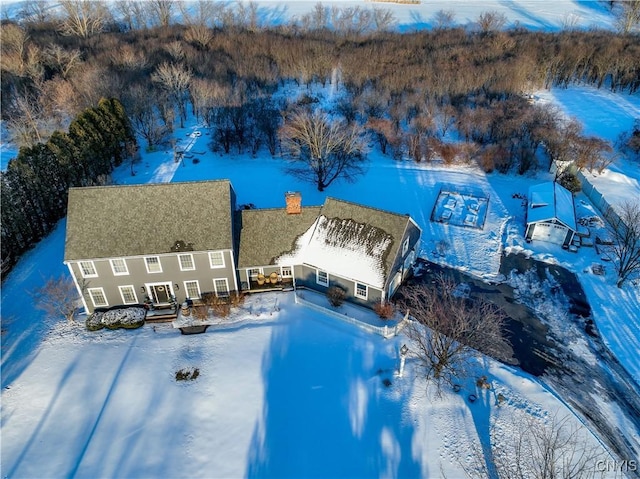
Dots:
{"x": 384, "y": 331}
{"x": 598, "y": 199}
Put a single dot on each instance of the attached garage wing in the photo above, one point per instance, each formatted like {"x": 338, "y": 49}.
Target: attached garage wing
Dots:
{"x": 552, "y": 233}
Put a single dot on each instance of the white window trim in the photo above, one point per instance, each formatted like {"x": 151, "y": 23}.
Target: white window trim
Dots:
{"x": 221, "y": 279}
{"x": 186, "y": 290}
{"x": 405, "y": 247}
{"x": 366, "y": 290}
{"x": 290, "y": 268}
{"x": 116, "y": 273}
{"x": 106, "y": 301}
{"x": 216, "y": 266}
{"x": 322, "y": 283}
{"x": 147, "y": 264}
{"x": 93, "y": 266}
{"x": 135, "y": 296}
{"x": 193, "y": 264}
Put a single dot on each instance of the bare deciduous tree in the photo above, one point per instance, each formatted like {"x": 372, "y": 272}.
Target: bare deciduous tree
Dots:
{"x": 539, "y": 448}
{"x": 491, "y": 21}
{"x": 627, "y": 15}
{"x": 161, "y": 11}
{"x": 61, "y": 60}
{"x": 448, "y": 329}
{"x": 83, "y": 18}
{"x": 329, "y": 149}
{"x": 36, "y": 11}
{"x": 444, "y": 19}
{"x": 623, "y": 225}
{"x": 383, "y": 19}
{"x": 58, "y": 298}
{"x": 145, "y": 118}
{"x": 175, "y": 79}
{"x": 18, "y": 56}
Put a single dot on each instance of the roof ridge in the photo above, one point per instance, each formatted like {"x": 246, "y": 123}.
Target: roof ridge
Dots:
{"x": 360, "y": 205}
{"x": 146, "y": 185}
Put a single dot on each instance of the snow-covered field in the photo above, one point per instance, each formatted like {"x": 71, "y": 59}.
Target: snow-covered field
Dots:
{"x": 531, "y": 14}
{"x": 289, "y": 393}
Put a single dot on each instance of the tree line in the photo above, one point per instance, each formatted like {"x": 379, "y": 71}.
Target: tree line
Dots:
{"x": 51, "y": 74}
{"x": 35, "y": 185}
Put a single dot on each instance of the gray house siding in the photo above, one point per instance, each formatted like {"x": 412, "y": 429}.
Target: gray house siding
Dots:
{"x": 412, "y": 234}
{"x": 139, "y": 278}
{"x": 305, "y": 276}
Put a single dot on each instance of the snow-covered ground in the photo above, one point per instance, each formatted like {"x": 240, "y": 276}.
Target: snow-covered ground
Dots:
{"x": 287, "y": 393}
{"x": 531, "y": 14}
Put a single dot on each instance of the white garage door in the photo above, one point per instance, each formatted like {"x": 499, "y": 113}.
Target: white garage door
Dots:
{"x": 549, "y": 232}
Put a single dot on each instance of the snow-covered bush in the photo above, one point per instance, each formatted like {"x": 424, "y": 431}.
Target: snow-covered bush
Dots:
{"x": 128, "y": 318}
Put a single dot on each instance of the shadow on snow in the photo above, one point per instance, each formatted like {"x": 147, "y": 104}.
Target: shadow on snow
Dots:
{"x": 326, "y": 410}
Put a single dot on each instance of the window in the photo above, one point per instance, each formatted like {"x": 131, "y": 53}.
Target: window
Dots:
{"x": 192, "y": 288}
{"x": 119, "y": 267}
{"x": 253, "y": 273}
{"x": 216, "y": 259}
{"x": 221, "y": 287}
{"x": 186, "y": 262}
{"x": 88, "y": 269}
{"x": 405, "y": 246}
{"x": 322, "y": 278}
{"x": 153, "y": 264}
{"x": 128, "y": 294}
{"x": 285, "y": 272}
{"x": 361, "y": 291}
{"x": 98, "y": 297}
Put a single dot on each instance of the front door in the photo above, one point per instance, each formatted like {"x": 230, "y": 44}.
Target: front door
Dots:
{"x": 161, "y": 293}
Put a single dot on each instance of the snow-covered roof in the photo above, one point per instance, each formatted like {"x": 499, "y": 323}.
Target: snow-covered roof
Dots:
{"x": 351, "y": 241}
{"x": 549, "y": 201}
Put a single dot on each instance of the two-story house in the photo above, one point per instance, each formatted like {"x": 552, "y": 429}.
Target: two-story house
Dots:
{"x": 162, "y": 243}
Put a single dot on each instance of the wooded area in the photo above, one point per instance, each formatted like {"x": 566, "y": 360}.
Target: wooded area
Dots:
{"x": 408, "y": 91}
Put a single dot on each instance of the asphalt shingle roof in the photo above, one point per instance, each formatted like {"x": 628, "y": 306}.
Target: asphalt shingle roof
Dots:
{"x": 268, "y": 233}
{"x": 116, "y": 221}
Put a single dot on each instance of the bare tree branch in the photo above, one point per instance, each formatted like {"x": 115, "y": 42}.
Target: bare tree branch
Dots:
{"x": 623, "y": 224}
{"x": 449, "y": 329}
{"x": 328, "y": 149}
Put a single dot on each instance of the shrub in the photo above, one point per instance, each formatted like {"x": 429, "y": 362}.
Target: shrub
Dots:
{"x": 384, "y": 310}
{"x": 120, "y": 317}
{"x": 201, "y": 311}
{"x": 187, "y": 374}
{"x": 336, "y": 296}
{"x": 94, "y": 321}
{"x": 221, "y": 308}
{"x": 570, "y": 181}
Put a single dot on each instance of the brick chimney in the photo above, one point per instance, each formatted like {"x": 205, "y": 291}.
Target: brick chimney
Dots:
{"x": 293, "y": 200}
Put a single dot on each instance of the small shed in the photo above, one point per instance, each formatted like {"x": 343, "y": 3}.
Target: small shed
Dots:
{"x": 551, "y": 214}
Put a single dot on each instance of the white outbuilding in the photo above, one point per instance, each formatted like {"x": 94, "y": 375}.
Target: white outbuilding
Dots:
{"x": 551, "y": 214}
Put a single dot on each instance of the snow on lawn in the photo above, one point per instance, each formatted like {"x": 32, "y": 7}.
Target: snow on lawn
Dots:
{"x": 531, "y": 14}
{"x": 296, "y": 393}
